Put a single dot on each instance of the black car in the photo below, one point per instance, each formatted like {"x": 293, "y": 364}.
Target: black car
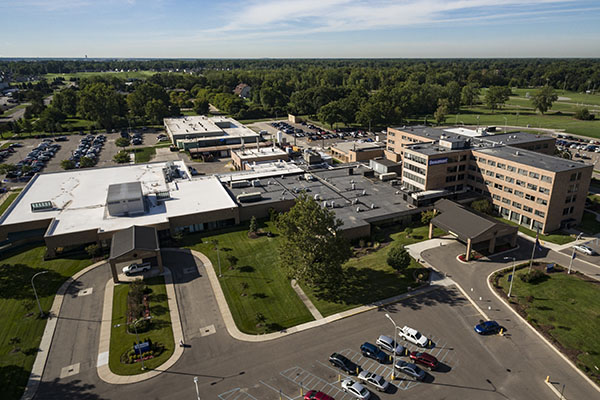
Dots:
{"x": 370, "y": 350}
{"x": 343, "y": 363}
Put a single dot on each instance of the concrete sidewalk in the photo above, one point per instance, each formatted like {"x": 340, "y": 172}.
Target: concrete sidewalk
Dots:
{"x": 309, "y": 304}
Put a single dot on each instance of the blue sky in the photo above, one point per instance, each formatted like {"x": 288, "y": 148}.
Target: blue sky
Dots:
{"x": 299, "y": 28}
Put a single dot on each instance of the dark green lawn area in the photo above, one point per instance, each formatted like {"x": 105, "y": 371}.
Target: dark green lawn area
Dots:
{"x": 589, "y": 224}
{"x": 8, "y": 201}
{"x": 143, "y": 154}
{"x": 160, "y": 332}
{"x": 19, "y": 313}
{"x": 558, "y": 238}
{"x": 258, "y": 285}
{"x": 565, "y": 307}
{"x": 369, "y": 278}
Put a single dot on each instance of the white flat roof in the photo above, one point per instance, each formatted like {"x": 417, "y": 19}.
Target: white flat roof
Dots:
{"x": 262, "y": 170}
{"x": 79, "y": 198}
{"x": 260, "y": 152}
{"x": 201, "y": 127}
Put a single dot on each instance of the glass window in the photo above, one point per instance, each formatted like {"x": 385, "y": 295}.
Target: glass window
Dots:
{"x": 517, "y": 205}
{"x": 545, "y": 178}
{"x": 534, "y": 175}
{"x": 522, "y": 172}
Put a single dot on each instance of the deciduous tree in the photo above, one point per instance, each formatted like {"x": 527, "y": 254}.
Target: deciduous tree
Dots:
{"x": 544, "y": 98}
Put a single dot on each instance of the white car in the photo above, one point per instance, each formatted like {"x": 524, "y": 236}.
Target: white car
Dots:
{"x": 355, "y": 389}
{"x": 372, "y": 379}
{"x": 584, "y": 249}
{"x": 413, "y": 336}
{"x": 135, "y": 268}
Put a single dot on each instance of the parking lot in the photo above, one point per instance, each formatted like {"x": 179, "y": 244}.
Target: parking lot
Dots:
{"x": 592, "y": 244}
{"x": 586, "y": 150}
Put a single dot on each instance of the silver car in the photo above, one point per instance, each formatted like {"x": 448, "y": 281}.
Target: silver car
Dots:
{"x": 375, "y": 380}
{"x": 388, "y": 344}
{"x": 410, "y": 369}
{"x": 584, "y": 249}
{"x": 356, "y": 389}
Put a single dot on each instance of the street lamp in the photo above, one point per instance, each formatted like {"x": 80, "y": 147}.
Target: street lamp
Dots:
{"x": 196, "y": 383}
{"x": 138, "y": 338}
{"x": 573, "y": 253}
{"x": 395, "y": 343}
{"x": 512, "y": 278}
{"x": 35, "y": 292}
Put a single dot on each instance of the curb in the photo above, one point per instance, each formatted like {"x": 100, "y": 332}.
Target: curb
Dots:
{"x": 555, "y": 390}
{"x": 44, "y": 348}
{"x": 234, "y": 332}
{"x": 104, "y": 371}
{"x": 538, "y": 333}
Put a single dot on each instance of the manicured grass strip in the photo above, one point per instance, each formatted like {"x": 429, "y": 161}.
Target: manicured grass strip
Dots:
{"x": 369, "y": 277}
{"x": 161, "y": 331}
{"x": 566, "y": 308}
{"x": 143, "y": 154}
{"x": 558, "y": 238}
{"x": 19, "y": 312}
{"x": 8, "y": 201}
{"x": 257, "y": 285}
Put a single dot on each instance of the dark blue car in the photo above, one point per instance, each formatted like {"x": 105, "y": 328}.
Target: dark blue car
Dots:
{"x": 374, "y": 352}
{"x": 487, "y": 328}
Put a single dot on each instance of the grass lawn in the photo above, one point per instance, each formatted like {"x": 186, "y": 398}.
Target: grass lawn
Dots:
{"x": 8, "y": 201}
{"x": 257, "y": 285}
{"x": 161, "y": 331}
{"x": 19, "y": 312}
{"x": 589, "y": 223}
{"x": 558, "y": 238}
{"x": 369, "y": 277}
{"x": 565, "y": 307}
{"x": 142, "y": 154}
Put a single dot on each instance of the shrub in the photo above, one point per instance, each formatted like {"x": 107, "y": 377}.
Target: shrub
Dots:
{"x": 583, "y": 114}
{"x": 398, "y": 258}
{"x": 533, "y": 277}
{"x": 483, "y": 206}
{"x": 93, "y": 250}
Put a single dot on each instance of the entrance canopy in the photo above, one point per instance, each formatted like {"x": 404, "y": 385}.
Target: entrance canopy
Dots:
{"x": 134, "y": 243}
{"x": 471, "y": 227}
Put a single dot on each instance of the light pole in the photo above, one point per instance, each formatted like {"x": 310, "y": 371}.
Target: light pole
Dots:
{"x": 512, "y": 278}
{"x": 573, "y": 254}
{"x": 196, "y": 383}
{"x": 138, "y": 338}
{"x": 505, "y": 123}
{"x": 395, "y": 343}
{"x": 35, "y": 292}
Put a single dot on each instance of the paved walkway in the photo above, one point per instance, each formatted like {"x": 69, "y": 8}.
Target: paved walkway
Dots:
{"x": 104, "y": 371}
{"x": 309, "y": 304}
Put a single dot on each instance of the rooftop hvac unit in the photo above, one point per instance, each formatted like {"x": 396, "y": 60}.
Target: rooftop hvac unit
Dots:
{"x": 355, "y": 201}
{"x": 372, "y": 206}
{"x": 42, "y": 206}
{"x": 332, "y": 204}
{"x": 249, "y": 197}
{"x": 240, "y": 184}
{"x": 317, "y": 196}
{"x": 353, "y": 186}
{"x": 357, "y": 209}
{"x": 164, "y": 195}
{"x": 364, "y": 192}
{"x": 256, "y": 183}
{"x": 324, "y": 204}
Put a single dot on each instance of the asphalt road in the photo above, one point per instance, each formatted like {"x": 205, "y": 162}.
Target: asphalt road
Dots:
{"x": 494, "y": 367}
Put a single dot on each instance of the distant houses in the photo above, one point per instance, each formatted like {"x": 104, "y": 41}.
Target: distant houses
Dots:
{"x": 243, "y": 90}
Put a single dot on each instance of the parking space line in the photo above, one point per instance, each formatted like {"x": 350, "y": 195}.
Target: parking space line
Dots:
{"x": 278, "y": 391}
{"x": 235, "y": 394}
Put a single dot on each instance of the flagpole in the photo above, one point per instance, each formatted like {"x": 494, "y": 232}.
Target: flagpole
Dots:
{"x": 533, "y": 250}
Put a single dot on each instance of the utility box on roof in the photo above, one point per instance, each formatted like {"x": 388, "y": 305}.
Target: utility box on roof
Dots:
{"x": 125, "y": 199}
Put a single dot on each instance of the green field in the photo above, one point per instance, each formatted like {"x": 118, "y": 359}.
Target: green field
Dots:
{"x": 80, "y": 75}
{"x": 589, "y": 223}
{"x": 574, "y": 97}
{"x": 142, "y": 154}
{"x": 565, "y": 307}
{"x": 369, "y": 278}
{"x": 19, "y": 313}
{"x": 161, "y": 331}
{"x": 9, "y": 199}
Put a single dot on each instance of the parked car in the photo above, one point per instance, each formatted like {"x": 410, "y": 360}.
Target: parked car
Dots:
{"x": 355, "y": 389}
{"x": 425, "y": 359}
{"x": 413, "y": 336}
{"x": 410, "y": 369}
{"x": 487, "y": 328}
{"x": 388, "y": 344}
{"x": 584, "y": 249}
{"x": 375, "y": 380}
{"x": 314, "y": 395}
{"x": 370, "y": 350}
{"x": 343, "y": 363}
{"x": 136, "y": 268}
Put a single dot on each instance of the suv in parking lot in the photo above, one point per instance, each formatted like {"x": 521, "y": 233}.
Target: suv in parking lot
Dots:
{"x": 374, "y": 352}
{"x": 343, "y": 363}
{"x": 387, "y": 343}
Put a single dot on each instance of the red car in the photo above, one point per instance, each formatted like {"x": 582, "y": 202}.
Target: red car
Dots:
{"x": 314, "y": 395}
{"x": 424, "y": 359}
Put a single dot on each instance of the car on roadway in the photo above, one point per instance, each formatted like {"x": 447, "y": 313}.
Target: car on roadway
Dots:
{"x": 388, "y": 344}
{"x": 374, "y": 380}
{"x": 314, "y": 395}
{"x": 487, "y": 328}
{"x": 410, "y": 369}
{"x": 413, "y": 336}
{"x": 425, "y": 359}
{"x": 355, "y": 389}
{"x": 136, "y": 268}
{"x": 584, "y": 249}
{"x": 371, "y": 351}
{"x": 343, "y": 363}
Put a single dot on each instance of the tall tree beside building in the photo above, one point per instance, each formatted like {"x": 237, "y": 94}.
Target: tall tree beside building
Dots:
{"x": 312, "y": 249}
